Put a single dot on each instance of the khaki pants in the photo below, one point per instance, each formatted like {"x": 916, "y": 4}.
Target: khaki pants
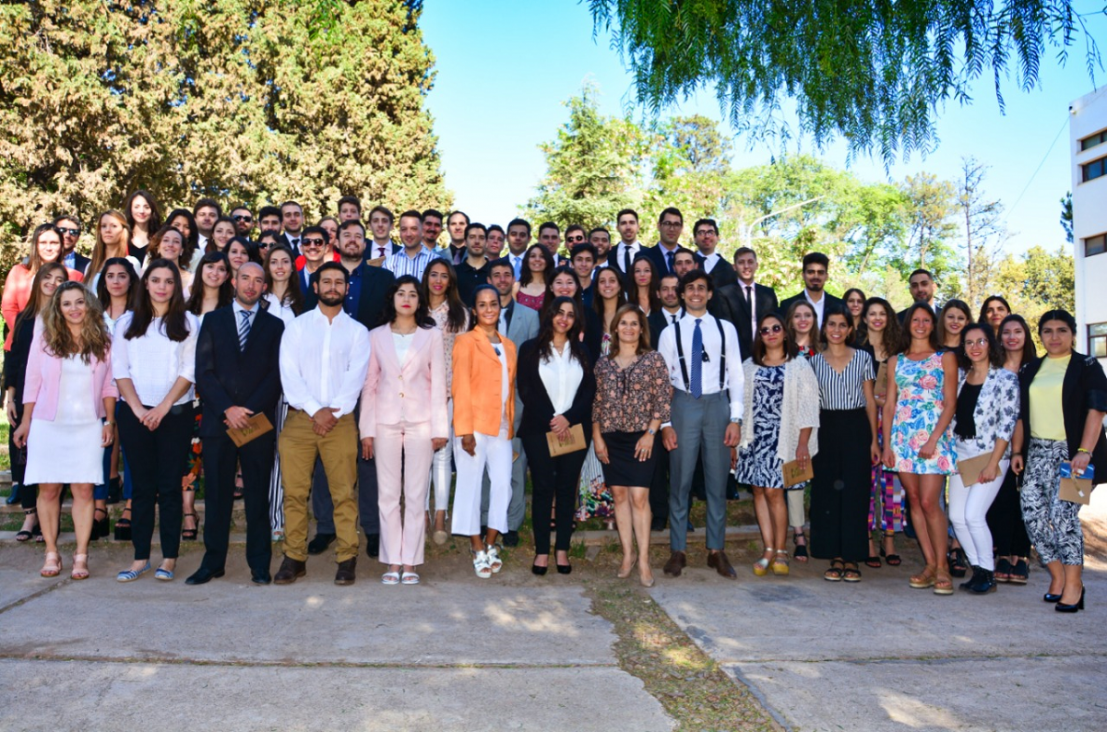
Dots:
{"x": 299, "y": 447}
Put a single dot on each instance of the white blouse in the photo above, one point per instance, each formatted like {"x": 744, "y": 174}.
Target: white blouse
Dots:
{"x": 282, "y": 311}
{"x": 561, "y": 374}
{"x": 152, "y": 361}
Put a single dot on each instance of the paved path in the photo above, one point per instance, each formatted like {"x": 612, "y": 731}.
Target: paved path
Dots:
{"x": 880, "y": 656}
{"x": 452, "y": 654}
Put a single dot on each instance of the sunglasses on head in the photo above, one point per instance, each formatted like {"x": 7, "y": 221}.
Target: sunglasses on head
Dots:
{"x": 771, "y": 329}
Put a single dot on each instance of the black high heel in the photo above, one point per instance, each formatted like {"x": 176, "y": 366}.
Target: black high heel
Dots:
{"x": 1050, "y": 597}
{"x": 100, "y": 527}
{"x": 1063, "y": 608}
{"x": 540, "y": 571}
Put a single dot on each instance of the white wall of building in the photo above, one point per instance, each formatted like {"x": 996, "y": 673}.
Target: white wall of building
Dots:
{"x": 1089, "y": 205}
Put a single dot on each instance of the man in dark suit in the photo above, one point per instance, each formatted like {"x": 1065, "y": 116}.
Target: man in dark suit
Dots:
{"x": 70, "y": 228}
{"x": 922, "y": 290}
{"x": 382, "y": 247}
{"x": 365, "y": 298}
{"x": 292, "y": 221}
{"x": 669, "y": 227}
{"x": 232, "y": 341}
{"x": 816, "y": 268}
{"x": 744, "y": 302}
{"x": 706, "y": 236}
{"x": 621, "y": 256}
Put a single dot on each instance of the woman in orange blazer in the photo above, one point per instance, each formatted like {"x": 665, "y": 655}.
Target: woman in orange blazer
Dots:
{"x": 484, "y": 419}
{"x": 403, "y": 421}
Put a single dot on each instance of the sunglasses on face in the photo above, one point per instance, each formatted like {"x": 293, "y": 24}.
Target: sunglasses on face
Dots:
{"x": 71, "y": 232}
{"x": 771, "y": 329}
{"x": 240, "y": 217}
{"x": 311, "y": 242}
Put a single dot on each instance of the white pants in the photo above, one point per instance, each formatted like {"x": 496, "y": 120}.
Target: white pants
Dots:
{"x": 441, "y": 471}
{"x": 796, "y": 517}
{"x": 494, "y": 453}
{"x": 968, "y": 511}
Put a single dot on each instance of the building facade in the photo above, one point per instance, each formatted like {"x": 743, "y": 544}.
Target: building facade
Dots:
{"x": 1088, "y": 150}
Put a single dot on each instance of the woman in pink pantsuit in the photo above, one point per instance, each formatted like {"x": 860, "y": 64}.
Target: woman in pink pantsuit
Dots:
{"x": 403, "y": 421}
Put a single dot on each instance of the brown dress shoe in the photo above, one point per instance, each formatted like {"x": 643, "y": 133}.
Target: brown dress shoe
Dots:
{"x": 345, "y": 573}
{"x": 290, "y": 570}
{"x": 677, "y": 562}
{"x": 721, "y": 564}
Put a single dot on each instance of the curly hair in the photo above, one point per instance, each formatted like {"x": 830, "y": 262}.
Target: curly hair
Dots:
{"x": 94, "y": 339}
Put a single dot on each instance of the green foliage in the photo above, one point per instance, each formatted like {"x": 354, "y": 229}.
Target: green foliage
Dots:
{"x": 873, "y": 73}
{"x": 242, "y": 100}
{"x": 930, "y": 205}
{"x": 1037, "y": 281}
{"x": 1066, "y": 216}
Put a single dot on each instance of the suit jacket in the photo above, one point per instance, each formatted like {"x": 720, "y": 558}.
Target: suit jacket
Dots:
{"x": 522, "y": 323}
{"x": 42, "y": 381}
{"x": 660, "y": 258}
{"x": 412, "y": 392}
{"x": 478, "y": 385}
{"x": 540, "y": 410}
{"x": 81, "y": 262}
{"x": 371, "y": 250}
{"x": 729, "y": 303}
{"x": 286, "y": 240}
{"x": 722, "y": 274}
{"x": 375, "y": 282}
{"x": 229, "y": 377}
{"x": 831, "y": 303}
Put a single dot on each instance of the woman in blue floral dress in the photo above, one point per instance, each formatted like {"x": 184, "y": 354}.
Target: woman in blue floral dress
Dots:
{"x": 918, "y": 442}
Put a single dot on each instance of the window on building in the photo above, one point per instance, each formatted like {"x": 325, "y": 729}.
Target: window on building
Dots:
{"x": 1097, "y": 139}
{"x": 1094, "y": 169}
{"x": 1095, "y": 245}
{"x": 1097, "y": 340}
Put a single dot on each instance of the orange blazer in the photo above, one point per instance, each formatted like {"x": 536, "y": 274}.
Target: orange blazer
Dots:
{"x": 478, "y": 384}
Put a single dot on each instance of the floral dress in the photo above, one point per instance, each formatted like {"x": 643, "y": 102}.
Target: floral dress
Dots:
{"x": 920, "y": 403}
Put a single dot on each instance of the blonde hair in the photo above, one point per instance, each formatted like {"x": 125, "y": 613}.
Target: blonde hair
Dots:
{"x": 100, "y": 249}
{"x": 94, "y": 339}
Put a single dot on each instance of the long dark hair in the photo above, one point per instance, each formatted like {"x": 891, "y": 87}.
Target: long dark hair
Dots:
{"x": 988, "y": 300}
{"x": 174, "y": 324}
{"x": 759, "y": 349}
{"x": 547, "y": 302}
{"x": 253, "y": 252}
{"x": 905, "y": 340}
{"x": 192, "y": 240}
{"x": 456, "y": 313}
{"x": 631, "y": 286}
{"x": 102, "y": 293}
{"x": 422, "y": 312}
{"x": 154, "y": 223}
{"x": 892, "y": 330}
{"x": 293, "y": 297}
{"x": 525, "y": 276}
{"x": 940, "y": 325}
{"x": 597, "y": 299}
{"x": 1061, "y": 315}
{"x": 35, "y": 301}
{"x": 1029, "y": 351}
{"x": 845, "y": 306}
{"x": 195, "y": 303}
{"x": 544, "y": 339}
{"x": 815, "y": 336}
{"x": 995, "y": 353}
{"x": 473, "y": 319}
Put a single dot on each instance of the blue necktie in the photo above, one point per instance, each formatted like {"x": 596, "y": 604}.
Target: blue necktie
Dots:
{"x": 697, "y": 361}
{"x": 243, "y": 329}
{"x": 670, "y": 256}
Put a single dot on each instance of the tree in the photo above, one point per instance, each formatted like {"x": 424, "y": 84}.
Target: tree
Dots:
{"x": 593, "y": 167}
{"x": 982, "y": 229}
{"x": 1037, "y": 281}
{"x": 873, "y": 73}
{"x": 243, "y": 100}
{"x": 1066, "y": 216}
{"x": 930, "y": 206}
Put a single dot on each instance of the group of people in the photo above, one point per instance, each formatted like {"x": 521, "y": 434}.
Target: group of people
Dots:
{"x": 328, "y": 364}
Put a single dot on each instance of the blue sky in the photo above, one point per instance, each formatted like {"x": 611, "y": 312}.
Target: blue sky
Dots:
{"x": 504, "y": 69}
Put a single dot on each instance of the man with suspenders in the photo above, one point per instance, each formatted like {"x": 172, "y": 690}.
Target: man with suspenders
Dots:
{"x": 705, "y": 368}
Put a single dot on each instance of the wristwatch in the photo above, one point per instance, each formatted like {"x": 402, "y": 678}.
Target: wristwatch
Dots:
{"x": 736, "y": 420}
{"x": 651, "y": 431}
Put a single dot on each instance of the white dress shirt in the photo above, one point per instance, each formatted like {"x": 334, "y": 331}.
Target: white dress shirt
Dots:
{"x": 620, "y": 254}
{"x": 153, "y": 362}
{"x": 751, "y": 300}
{"x": 561, "y": 374}
{"x": 733, "y": 380}
{"x": 710, "y": 261}
{"x": 323, "y": 363}
{"x": 819, "y": 306}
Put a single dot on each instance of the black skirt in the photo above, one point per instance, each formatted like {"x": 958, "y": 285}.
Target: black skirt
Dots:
{"x": 623, "y": 468}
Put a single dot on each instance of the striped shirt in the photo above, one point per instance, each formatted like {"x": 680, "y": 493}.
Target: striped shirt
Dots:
{"x": 845, "y": 390}
{"x": 401, "y": 264}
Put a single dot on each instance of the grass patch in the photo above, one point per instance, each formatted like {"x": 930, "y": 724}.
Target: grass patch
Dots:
{"x": 693, "y": 689}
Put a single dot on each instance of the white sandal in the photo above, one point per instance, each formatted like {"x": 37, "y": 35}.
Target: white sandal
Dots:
{"x": 391, "y": 577}
{"x": 494, "y": 561}
{"x": 409, "y": 578}
{"x": 481, "y": 564}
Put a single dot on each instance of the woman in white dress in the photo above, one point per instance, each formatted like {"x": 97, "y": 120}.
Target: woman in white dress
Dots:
{"x": 284, "y": 300}
{"x": 69, "y": 399}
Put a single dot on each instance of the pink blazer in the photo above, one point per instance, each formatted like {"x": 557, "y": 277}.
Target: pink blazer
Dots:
{"x": 43, "y": 381}
{"x": 412, "y": 393}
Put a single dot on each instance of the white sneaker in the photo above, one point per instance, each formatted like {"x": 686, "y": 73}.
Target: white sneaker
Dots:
{"x": 481, "y": 565}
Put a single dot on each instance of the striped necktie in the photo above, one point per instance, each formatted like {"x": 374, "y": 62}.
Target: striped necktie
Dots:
{"x": 243, "y": 329}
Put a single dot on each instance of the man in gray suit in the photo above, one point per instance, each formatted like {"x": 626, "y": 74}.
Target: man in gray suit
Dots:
{"x": 520, "y": 324}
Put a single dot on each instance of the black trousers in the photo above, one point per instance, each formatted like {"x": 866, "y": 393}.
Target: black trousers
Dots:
{"x": 842, "y": 486}
{"x": 157, "y": 461}
{"x": 368, "y": 510}
{"x": 220, "y": 457}
{"x": 659, "y": 488}
{"x": 553, "y": 476}
{"x": 1005, "y": 521}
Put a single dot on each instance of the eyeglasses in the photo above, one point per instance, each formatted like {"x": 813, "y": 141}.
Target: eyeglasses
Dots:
{"x": 311, "y": 242}
{"x": 977, "y": 342}
{"x": 240, "y": 217}
{"x": 71, "y": 232}
{"x": 671, "y": 224}
{"x": 771, "y": 329}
